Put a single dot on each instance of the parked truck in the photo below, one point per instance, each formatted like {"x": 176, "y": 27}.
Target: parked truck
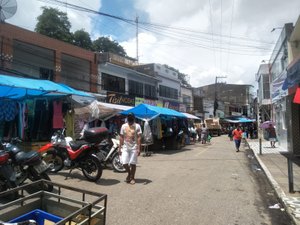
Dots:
{"x": 213, "y": 125}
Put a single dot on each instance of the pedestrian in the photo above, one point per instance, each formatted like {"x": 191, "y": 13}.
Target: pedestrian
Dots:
{"x": 199, "y": 130}
{"x": 204, "y": 133}
{"x": 230, "y": 129}
{"x": 237, "y": 137}
{"x": 130, "y": 146}
{"x": 193, "y": 134}
{"x": 272, "y": 135}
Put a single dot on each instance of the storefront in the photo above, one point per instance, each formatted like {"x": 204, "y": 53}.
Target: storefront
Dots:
{"x": 32, "y": 109}
{"x": 168, "y": 126}
{"x": 292, "y": 108}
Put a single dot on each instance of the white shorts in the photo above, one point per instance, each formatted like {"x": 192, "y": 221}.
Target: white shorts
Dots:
{"x": 129, "y": 157}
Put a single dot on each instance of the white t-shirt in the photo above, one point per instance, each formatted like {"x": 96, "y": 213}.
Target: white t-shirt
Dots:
{"x": 130, "y": 134}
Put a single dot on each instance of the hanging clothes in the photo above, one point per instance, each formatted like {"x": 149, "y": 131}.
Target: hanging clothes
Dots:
{"x": 58, "y": 121}
{"x": 8, "y": 110}
{"x": 157, "y": 129}
{"x": 21, "y": 120}
{"x": 69, "y": 120}
{"x": 147, "y": 134}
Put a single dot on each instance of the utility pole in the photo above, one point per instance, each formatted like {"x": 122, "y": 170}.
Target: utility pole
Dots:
{"x": 137, "y": 38}
{"x": 216, "y": 97}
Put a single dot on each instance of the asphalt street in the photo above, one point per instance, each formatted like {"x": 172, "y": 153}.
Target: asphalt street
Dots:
{"x": 199, "y": 184}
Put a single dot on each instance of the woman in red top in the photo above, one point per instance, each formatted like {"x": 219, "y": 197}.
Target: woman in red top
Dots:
{"x": 237, "y": 137}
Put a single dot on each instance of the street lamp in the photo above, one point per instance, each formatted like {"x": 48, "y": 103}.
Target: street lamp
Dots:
{"x": 275, "y": 28}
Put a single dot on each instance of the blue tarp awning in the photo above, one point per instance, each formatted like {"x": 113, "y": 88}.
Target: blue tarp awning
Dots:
{"x": 18, "y": 88}
{"x": 145, "y": 111}
{"x": 234, "y": 119}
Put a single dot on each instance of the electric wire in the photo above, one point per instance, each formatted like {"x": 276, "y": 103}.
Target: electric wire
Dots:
{"x": 212, "y": 33}
{"x": 151, "y": 25}
{"x": 230, "y": 32}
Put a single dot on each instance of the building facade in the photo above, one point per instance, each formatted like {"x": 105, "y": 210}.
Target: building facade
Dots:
{"x": 227, "y": 99}
{"x": 263, "y": 92}
{"x": 186, "y": 98}
{"x": 169, "y": 87}
{"x": 290, "y": 85}
{"x": 27, "y": 53}
{"x": 278, "y": 74}
{"x": 123, "y": 85}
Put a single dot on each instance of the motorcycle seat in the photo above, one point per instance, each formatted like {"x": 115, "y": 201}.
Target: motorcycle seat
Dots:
{"x": 25, "y": 156}
{"x": 75, "y": 145}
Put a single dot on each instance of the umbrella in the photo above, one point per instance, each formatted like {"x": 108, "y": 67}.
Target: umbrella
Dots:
{"x": 266, "y": 124}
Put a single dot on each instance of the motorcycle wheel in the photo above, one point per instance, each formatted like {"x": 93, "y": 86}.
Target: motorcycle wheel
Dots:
{"x": 55, "y": 159}
{"x": 91, "y": 168}
{"x": 116, "y": 164}
{"x": 45, "y": 186}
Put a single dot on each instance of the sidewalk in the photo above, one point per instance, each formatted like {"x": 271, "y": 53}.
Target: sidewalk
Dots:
{"x": 276, "y": 168}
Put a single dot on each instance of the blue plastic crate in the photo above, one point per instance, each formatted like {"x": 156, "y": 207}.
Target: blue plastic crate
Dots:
{"x": 38, "y": 215}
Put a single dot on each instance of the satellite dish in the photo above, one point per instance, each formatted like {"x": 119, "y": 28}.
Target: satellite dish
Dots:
{"x": 8, "y": 8}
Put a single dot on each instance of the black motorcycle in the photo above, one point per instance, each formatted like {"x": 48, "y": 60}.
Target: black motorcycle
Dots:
{"x": 108, "y": 153}
{"x": 23, "y": 165}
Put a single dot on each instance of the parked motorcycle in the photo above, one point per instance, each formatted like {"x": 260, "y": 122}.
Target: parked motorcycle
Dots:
{"x": 108, "y": 153}
{"x": 19, "y": 165}
{"x": 63, "y": 152}
{"x": 7, "y": 175}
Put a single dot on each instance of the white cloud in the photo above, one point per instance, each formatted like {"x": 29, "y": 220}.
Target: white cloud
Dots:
{"x": 245, "y": 19}
{"x": 201, "y": 55}
{"x": 29, "y": 10}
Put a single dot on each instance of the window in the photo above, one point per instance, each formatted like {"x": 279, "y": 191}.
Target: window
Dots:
{"x": 186, "y": 99}
{"x": 168, "y": 92}
{"x": 150, "y": 91}
{"x": 135, "y": 88}
{"x": 266, "y": 86}
{"x": 113, "y": 83}
{"x": 46, "y": 74}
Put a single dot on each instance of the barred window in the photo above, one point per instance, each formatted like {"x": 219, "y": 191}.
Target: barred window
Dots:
{"x": 135, "y": 88}
{"x": 168, "y": 92}
{"x": 113, "y": 83}
{"x": 150, "y": 91}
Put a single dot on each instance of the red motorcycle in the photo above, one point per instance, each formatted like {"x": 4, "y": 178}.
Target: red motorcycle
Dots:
{"x": 64, "y": 152}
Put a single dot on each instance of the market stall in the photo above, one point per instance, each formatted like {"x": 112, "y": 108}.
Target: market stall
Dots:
{"x": 168, "y": 126}
{"x": 31, "y": 108}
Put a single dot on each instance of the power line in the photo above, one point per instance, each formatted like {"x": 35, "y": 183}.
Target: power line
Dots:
{"x": 159, "y": 26}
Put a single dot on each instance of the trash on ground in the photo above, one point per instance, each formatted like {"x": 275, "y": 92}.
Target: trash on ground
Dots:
{"x": 276, "y": 206}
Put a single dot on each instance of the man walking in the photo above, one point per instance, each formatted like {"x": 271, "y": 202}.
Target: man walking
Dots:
{"x": 237, "y": 137}
{"x": 130, "y": 146}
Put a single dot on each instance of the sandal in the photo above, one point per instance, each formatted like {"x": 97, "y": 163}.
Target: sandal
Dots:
{"x": 132, "y": 181}
{"x": 127, "y": 179}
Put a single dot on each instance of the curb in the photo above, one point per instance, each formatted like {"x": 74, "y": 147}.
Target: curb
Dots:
{"x": 279, "y": 192}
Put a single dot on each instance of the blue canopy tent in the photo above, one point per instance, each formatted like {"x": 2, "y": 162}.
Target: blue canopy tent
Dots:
{"x": 238, "y": 119}
{"x": 149, "y": 112}
{"x": 17, "y": 88}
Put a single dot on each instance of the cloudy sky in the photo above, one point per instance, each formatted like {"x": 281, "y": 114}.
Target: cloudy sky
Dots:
{"x": 201, "y": 38}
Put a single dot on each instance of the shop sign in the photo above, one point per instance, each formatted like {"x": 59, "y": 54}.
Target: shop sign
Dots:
{"x": 119, "y": 99}
{"x": 153, "y": 102}
{"x": 139, "y": 100}
{"x": 171, "y": 105}
{"x": 182, "y": 107}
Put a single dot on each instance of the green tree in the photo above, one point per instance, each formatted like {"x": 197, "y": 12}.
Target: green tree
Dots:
{"x": 54, "y": 23}
{"x": 104, "y": 44}
{"x": 82, "y": 39}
